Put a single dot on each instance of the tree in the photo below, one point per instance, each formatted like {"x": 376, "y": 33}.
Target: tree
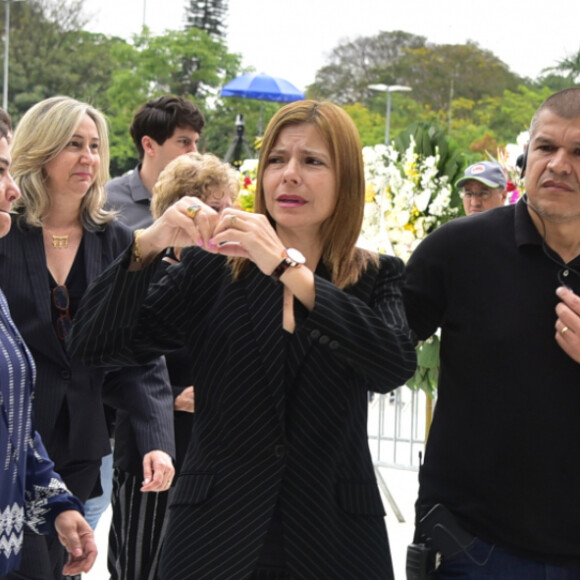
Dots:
{"x": 356, "y": 64}
{"x": 152, "y": 66}
{"x": 448, "y": 72}
{"x": 370, "y": 125}
{"x": 569, "y": 66}
{"x": 50, "y": 54}
{"x": 207, "y": 15}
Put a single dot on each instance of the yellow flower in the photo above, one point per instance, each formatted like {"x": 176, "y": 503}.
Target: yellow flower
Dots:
{"x": 370, "y": 193}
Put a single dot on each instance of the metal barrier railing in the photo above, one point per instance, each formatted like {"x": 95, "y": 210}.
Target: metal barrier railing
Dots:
{"x": 397, "y": 426}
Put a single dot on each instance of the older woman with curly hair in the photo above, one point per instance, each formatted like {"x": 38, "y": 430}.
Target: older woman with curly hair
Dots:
{"x": 204, "y": 176}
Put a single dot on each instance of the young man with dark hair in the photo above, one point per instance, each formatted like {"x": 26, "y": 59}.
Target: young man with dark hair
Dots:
{"x": 162, "y": 129}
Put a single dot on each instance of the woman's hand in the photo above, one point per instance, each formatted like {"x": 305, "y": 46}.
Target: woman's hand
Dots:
{"x": 188, "y": 222}
{"x": 158, "y": 471}
{"x": 250, "y": 235}
{"x": 77, "y": 537}
{"x": 185, "y": 401}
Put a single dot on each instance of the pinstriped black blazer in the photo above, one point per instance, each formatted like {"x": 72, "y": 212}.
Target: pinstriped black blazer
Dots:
{"x": 24, "y": 278}
{"x": 257, "y": 443}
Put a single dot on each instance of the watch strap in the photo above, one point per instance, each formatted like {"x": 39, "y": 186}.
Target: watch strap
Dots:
{"x": 281, "y": 268}
{"x": 286, "y": 263}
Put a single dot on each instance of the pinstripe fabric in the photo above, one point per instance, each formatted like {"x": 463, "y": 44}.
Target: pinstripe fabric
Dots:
{"x": 143, "y": 390}
{"x": 136, "y": 530}
{"x": 252, "y": 447}
{"x": 25, "y": 282}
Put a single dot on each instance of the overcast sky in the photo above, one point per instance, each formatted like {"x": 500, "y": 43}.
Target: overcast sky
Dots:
{"x": 293, "y": 39}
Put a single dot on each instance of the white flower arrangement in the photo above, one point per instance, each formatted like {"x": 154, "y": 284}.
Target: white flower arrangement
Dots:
{"x": 406, "y": 198}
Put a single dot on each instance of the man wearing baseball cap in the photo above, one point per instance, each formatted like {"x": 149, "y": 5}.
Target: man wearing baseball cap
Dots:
{"x": 483, "y": 186}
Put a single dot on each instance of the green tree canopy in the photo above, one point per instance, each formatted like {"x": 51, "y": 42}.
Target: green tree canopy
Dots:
{"x": 356, "y": 64}
{"x": 569, "y": 67}
{"x": 439, "y": 74}
{"x": 188, "y": 63}
{"x": 50, "y": 54}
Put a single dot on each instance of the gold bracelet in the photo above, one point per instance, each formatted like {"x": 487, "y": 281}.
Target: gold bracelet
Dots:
{"x": 137, "y": 247}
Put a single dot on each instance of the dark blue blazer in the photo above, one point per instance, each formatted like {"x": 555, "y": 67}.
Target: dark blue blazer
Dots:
{"x": 277, "y": 424}
{"x": 62, "y": 381}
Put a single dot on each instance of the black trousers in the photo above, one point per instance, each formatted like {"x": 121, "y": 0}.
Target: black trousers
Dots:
{"x": 137, "y": 526}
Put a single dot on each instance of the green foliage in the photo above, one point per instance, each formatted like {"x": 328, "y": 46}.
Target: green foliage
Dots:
{"x": 569, "y": 67}
{"x": 449, "y": 71}
{"x": 187, "y": 63}
{"x": 427, "y": 374}
{"x": 430, "y": 140}
{"x": 50, "y": 54}
{"x": 371, "y": 126}
{"x": 479, "y": 127}
{"x": 355, "y": 64}
{"x": 554, "y": 82}
{"x": 465, "y": 91}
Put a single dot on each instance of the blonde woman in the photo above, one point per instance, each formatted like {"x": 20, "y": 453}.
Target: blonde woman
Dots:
{"x": 287, "y": 326}
{"x": 61, "y": 240}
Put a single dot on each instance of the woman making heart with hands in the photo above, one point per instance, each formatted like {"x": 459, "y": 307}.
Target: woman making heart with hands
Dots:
{"x": 288, "y": 325}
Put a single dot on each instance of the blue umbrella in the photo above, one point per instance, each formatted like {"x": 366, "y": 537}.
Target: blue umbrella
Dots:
{"x": 262, "y": 87}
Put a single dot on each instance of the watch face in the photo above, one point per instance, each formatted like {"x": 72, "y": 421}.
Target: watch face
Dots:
{"x": 295, "y": 255}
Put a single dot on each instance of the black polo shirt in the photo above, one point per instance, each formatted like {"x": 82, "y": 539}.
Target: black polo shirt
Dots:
{"x": 502, "y": 450}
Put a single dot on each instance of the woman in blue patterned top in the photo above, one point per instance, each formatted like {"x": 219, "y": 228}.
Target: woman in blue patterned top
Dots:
{"x": 30, "y": 491}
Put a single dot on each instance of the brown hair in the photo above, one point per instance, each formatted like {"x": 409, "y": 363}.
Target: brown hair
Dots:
{"x": 341, "y": 231}
{"x": 192, "y": 174}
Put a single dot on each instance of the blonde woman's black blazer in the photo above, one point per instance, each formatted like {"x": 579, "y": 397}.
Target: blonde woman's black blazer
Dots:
{"x": 62, "y": 381}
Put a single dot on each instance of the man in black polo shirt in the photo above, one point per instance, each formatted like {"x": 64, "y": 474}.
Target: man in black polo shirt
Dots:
{"x": 503, "y": 287}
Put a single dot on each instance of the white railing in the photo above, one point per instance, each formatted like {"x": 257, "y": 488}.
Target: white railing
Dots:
{"x": 396, "y": 431}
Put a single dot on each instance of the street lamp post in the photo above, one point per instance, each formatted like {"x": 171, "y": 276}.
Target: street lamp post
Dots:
{"x": 388, "y": 89}
{"x": 6, "y": 53}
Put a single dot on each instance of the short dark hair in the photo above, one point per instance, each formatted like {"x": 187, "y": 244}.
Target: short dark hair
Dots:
{"x": 564, "y": 103}
{"x": 158, "y": 119}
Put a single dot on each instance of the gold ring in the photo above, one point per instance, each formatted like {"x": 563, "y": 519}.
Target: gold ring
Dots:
{"x": 233, "y": 219}
{"x": 564, "y": 330}
{"x": 193, "y": 210}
